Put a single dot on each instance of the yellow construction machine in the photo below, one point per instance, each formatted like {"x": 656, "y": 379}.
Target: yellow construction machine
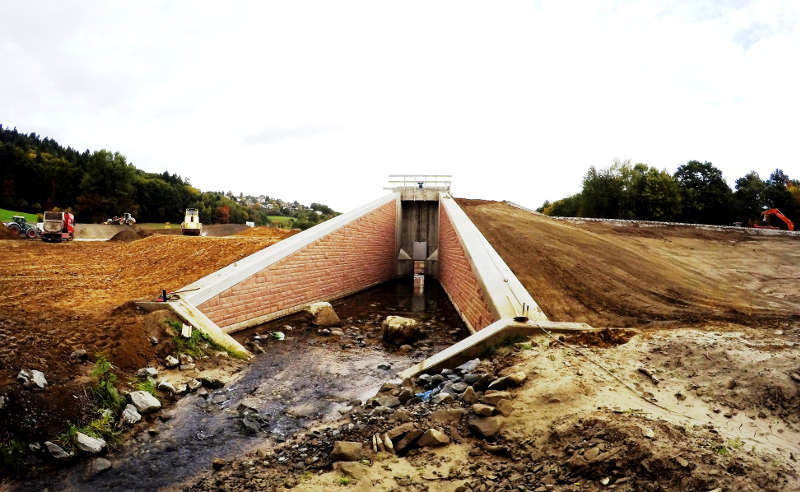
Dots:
{"x": 191, "y": 225}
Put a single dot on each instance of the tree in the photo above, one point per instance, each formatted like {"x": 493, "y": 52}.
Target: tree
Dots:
{"x": 705, "y": 196}
{"x": 602, "y": 193}
{"x": 750, "y": 197}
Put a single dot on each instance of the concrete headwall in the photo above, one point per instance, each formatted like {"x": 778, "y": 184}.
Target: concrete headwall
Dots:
{"x": 341, "y": 256}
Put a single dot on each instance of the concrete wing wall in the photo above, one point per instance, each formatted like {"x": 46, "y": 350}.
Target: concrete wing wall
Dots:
{"x": 459, "y": 279}
{"x": 479, "y": 283}
{"x": 343, "y": 255}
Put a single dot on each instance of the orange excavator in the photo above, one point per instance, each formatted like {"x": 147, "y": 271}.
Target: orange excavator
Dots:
{"x": 777, "y": 213}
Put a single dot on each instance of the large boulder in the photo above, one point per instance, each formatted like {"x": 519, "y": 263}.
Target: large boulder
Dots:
{"x": 322, "y": 314}
{"x": 398, "y": 330}
{"x": 486, "y": 426}
{"x": 144, "y": 401}
{"x": 349, "y": 468}
{"x": 56, "y": 451}
{"x": 433, "y": 438}
{"x": 346, "y": 451}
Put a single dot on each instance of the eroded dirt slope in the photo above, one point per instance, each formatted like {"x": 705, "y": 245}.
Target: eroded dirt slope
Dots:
{"x": 57, "y": 298}
{"x": 631, "y": 276}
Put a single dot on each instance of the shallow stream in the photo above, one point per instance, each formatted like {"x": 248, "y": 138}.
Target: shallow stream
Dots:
{"x": 295, "y": 383}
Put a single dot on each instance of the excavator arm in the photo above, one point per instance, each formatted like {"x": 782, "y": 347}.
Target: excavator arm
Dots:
{"x": 777, "y": 213}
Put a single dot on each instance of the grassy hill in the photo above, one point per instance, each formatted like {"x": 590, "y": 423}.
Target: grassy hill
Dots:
{"x": 7, "y": 215}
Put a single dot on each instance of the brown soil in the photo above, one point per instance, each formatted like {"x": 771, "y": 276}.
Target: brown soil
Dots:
{"x": 609, "y": 275}
{"x": 129, "y": 235}
{"x": 6, "y": 233}
{"x": 61, "y": 297}
{"x": 264, "y": 231}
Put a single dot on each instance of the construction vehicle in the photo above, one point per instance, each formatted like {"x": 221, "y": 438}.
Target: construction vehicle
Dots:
{"x": 126, "y": 219}
{"x": 778, "y": 214}
{"x": 191, "y": 225}
{"x": 58, "y": 226}
{"x": 20, "y": 225}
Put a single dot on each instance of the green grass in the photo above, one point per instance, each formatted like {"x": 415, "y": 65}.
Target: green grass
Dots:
{"x": 7, "y": 215}
{"x": 146, "y": 385}
{"x": 12, "y": 454}
{"x": 105, "y": 391}
{"x": 280, "y": 219}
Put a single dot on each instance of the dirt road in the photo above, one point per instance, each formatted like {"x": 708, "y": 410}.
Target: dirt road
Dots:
{"x": 606, "y": 275}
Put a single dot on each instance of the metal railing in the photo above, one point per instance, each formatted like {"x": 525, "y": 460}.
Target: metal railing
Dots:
{"x": 439, "y": 182}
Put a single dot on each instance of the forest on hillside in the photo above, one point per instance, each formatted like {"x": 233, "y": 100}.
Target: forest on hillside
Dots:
{"x": 37, "y": 174}
{"x": 695, "y": 193}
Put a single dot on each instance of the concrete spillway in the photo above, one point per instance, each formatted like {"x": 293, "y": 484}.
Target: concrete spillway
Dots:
{"x": 410, "y": 229}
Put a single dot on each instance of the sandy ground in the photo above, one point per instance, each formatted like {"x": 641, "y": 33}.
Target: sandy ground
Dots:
{"x": 57, "y": 298}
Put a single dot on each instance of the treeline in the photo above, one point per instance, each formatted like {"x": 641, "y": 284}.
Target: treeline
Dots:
{"x": 695, "y": 193}
{"x": 38, "y": 174}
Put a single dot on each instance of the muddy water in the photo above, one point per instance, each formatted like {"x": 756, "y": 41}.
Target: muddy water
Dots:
{"x": 295, "y": 383}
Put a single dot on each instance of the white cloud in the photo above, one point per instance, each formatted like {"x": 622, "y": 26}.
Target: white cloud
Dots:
{"x": 319, "y": 101}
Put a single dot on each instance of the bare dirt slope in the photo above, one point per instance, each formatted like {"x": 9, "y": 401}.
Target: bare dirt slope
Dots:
{"x": 57, "y": 298}
{"x": 630, "y": 276}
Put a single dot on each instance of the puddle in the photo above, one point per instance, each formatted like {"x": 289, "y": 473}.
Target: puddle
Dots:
{"x": 298, "y": 382}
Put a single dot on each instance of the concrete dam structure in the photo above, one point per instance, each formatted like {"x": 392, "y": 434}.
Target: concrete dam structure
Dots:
{"x": 416, "y": 229}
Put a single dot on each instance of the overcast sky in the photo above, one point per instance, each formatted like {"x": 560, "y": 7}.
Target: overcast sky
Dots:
{"x": 320, "y": 101}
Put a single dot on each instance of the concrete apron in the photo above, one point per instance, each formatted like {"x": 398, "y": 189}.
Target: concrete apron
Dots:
{"x": 496, "y": 334}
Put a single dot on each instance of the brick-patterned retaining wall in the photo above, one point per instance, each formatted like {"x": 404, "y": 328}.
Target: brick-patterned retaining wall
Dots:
{"x": 351, "y": 258}
{"x": 458, "y": 278}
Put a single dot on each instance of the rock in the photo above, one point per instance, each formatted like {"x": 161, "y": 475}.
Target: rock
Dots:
{"x": 404, "y": 395}
{"x": 323, "y": 332}
{"x": 193, "y": 384}
{"x": 459, "y": 387}
{"x": 400, "y": 430}
{"x": 144, "y": 401}
{"x": 483, "y": 410}
{"x": 153, "y": 341}
{"x": 211, "y": 382}
{"x": 384, "y": 366}
{"x": 202, "y": 392}
{"x": 79, "y": 354}
{"x": 351, "y": 469}
{"x": 95, "y": 467}
{"x": 185, "y": 359}
{"x": 322, "y": 314}
{"x": 35, "y": 447}
{"x": 404, "y": 349}
{"x": 682, "y": 462}
{"x": 346, "y": 451}
{"x": 795, "y": 377}
{"x": 648, "y": 433}
{"x": 171, "y": 362}
{"x": 514, "y": 379}
{"x": 492, "y": 397}
{"x": 486, "y": 426}
{"x": 388, "y": 444}
{"x": 89, "y": 444}
{"x": 448, "y": 415}
{"x": 56, "y": 451}
{"x": 468, "y": 366}
{"x": 31, "y": 378}
{"x": 591, "y": 454}
{"x": 187, "y": 367}
{"x": 441, "y": 398}
{"x": 130, "y": 415}
{"x": 471, "y": 378}
{"x": 505, "y": 407}
{"x": 399, "y": 330}
{"x": 3, "y": 402}
{"x": 605, "y": 481}
{"x": 218, "y": 463}
{"x": 680, "y": 396}
{"x": 167, "y": 386}
{"x": 387, "y": 386}
{"x": 384, "y": 401}
{"x": 424, "y": 380}
{"x": 433, "y": 438}
{"x": 469, "y": 395}
{"x": 407, "y": 440}
{"x": 147, "y": 372}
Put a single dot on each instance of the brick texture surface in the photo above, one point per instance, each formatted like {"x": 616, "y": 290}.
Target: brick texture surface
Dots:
{"x": 350, "y": 258}
{"x": 458, "y": 278}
